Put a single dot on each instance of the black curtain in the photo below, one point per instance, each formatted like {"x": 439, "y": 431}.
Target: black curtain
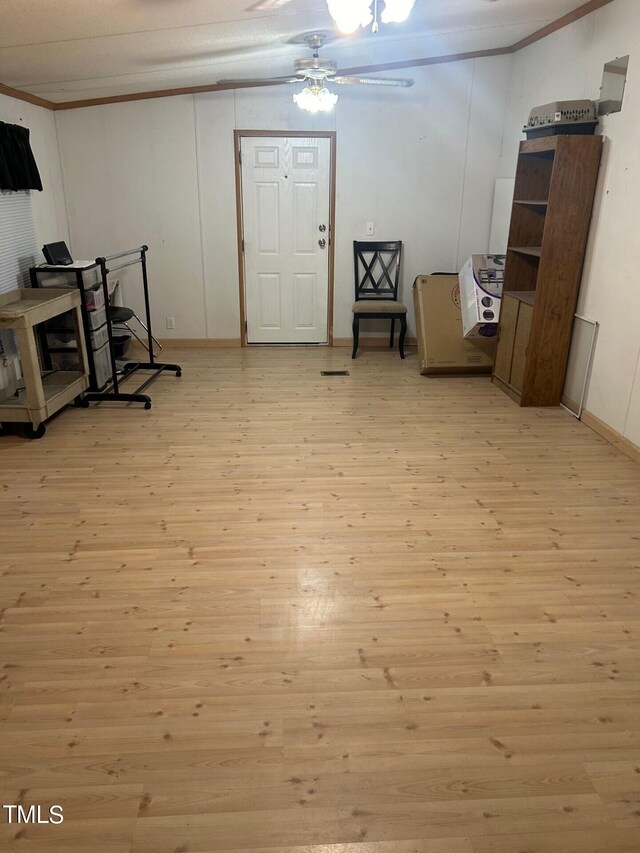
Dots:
{"x": 18, "y": 169}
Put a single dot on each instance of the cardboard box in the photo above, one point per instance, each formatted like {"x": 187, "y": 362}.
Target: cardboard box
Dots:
{"x": 441, "y": 345}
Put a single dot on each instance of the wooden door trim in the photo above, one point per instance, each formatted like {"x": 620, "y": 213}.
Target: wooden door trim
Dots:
{"x": 237, "y": 138}
{"x": 284, "y": 134}
{"x": 332, "y": 240}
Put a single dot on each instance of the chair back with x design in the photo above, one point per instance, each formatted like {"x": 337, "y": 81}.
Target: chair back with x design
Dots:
{"x": 377, "y": 269}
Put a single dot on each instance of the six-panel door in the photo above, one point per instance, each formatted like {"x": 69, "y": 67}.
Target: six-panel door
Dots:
{"x": 285, "y": 210}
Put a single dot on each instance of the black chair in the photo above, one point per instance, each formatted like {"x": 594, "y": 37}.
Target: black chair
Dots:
{"x": 120, "y": 318}
{"x": 377, "y": 274}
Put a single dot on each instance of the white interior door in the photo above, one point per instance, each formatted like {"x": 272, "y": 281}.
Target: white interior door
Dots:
{"x": 285, "y": 219}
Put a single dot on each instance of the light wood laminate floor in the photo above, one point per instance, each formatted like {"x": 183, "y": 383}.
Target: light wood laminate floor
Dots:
{"x": 281, "y": 612}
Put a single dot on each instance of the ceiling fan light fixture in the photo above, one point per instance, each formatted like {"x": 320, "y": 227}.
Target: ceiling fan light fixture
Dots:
{"x": 396, "y": 11}
{"x": 315, "y": 99}
{"x": 350, "y": 15}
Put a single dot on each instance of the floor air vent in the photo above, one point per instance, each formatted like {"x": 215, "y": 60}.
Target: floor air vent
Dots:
{"x": 334, "y": 373}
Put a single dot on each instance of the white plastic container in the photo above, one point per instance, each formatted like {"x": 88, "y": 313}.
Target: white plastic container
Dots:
{"x": 97, "y": 318}
{"x": 102, "y": 362}
{"x": 60, "y": 276}
{"x": 94, "y": 298}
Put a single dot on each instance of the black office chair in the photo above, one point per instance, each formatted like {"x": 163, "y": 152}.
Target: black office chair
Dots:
{"x": 377, "y": 275}
{"x": 120, "y": 318}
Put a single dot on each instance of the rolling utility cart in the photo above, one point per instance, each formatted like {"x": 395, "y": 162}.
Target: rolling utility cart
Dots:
{"x": 45, "y": 391}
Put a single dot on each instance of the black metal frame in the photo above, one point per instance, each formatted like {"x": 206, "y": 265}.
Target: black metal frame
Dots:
{"x": 113, "y": 392}
{"x": 383, "y": 287}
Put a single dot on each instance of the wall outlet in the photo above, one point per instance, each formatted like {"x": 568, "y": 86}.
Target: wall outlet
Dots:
{"x": 171, "y": 322}
{"x": 371, "y": 229}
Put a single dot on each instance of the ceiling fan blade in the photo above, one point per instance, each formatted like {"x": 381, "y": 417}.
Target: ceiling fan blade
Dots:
{"x": 259, "y": 81}
{"x": 373, "y": 81}
{"x": 266, "y": 5}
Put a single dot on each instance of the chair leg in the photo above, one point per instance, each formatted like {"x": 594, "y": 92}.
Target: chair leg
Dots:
{"x": 403, "y": 332}
{"x": 131, "y": 331}
{"x": 356, "y": 335}
{"x": 153, "y": 337}
{"x": 121, "y": 324}
{"x": 393, "y": 328}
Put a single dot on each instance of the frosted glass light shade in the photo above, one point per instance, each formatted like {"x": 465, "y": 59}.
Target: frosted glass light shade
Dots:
{"x": 315, "y": 99}
{"x": 396, "y": 11}
{"x": 349, "y": 15}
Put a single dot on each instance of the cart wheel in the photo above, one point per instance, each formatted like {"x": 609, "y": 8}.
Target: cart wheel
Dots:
{"x": 147, "y": 405}
{"x": 178, "y": 373}
{"x": 34, "y": 432}
{"x": 78, "y": 402}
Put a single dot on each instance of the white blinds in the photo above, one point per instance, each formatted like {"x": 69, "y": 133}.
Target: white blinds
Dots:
{"x": 18, "y": 245}
{"x": 18, "y": 250}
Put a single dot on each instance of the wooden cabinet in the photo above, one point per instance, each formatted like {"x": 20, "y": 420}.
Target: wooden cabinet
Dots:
{"x": 513, "y": 342}
{"x": 553, "y": 200}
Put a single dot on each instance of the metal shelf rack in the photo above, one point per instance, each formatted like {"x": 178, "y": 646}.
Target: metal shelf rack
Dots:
{"x": 135, "y": 256}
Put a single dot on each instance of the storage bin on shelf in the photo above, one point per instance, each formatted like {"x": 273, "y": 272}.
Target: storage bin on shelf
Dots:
{"x": 86, "y": 278}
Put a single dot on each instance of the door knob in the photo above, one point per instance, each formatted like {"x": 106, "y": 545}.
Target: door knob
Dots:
{"x": 322, "y": 242}
{"x": 322, "y": 228}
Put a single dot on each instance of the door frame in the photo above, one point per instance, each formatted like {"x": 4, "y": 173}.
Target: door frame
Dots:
{"x": 304, "y": 134}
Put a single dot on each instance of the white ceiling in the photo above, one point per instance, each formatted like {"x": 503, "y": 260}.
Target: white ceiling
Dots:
{"x": 70, "y": 49}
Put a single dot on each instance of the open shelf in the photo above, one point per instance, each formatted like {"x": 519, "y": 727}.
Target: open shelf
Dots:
{"x": 534, "y": 175}
{"x": 532, "y": 203}
{"x": 58, "y": 382}
{"x": 528, "y": 296}
{"x": 60, "y": 387}
{"x": 531, "y": 251}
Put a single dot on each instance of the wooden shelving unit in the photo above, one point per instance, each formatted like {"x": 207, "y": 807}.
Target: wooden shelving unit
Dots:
{"x": 553, "y": 200}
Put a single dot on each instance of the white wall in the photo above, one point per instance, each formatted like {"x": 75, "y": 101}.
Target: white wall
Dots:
{"x": 422, "y": 168}
{"x": 49, "y": 212}
{"x": 130, "y": 176}
{"x": 420, "y": 163}
{"x": 569, "y": 65}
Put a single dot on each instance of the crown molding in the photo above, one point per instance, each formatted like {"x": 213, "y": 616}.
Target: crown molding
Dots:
{"x": 559, "y": 24}
{"x": 19, "y": 95}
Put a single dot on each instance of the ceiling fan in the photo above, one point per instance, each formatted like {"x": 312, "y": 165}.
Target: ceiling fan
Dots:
{"x": 316, "y": 71}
